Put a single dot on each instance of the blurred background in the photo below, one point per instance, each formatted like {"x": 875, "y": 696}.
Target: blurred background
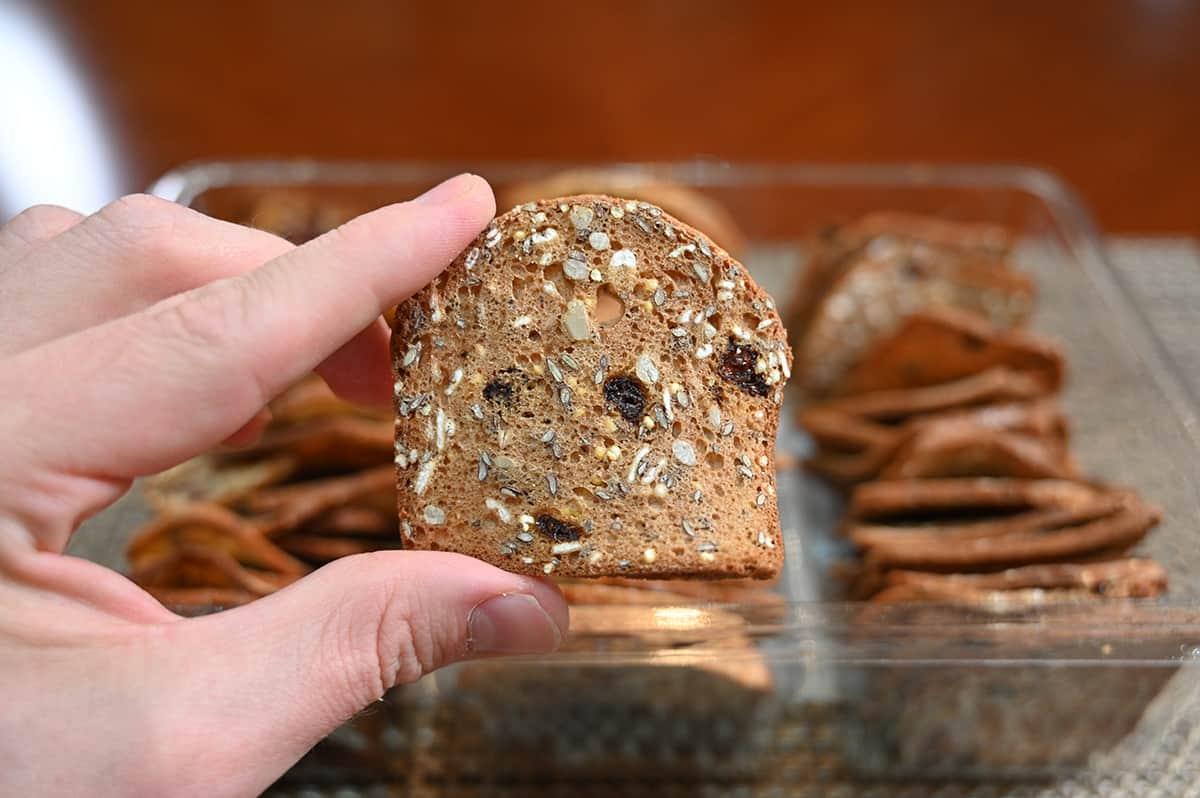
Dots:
{"x": 101, "y": 98}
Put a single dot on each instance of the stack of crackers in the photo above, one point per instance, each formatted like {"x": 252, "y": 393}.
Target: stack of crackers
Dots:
{"x": 937, "y": 412}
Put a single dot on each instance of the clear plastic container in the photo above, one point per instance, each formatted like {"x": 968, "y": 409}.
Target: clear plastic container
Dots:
{"x": 815, "y": 696}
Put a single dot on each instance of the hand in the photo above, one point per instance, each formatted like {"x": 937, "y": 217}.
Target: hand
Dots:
{"x": 131, "y": 340}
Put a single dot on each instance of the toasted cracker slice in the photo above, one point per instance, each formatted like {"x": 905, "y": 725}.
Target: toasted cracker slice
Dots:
{"x": 686, "y": 204}
{"x": 1032, "y": 585}
{"x": 966, "y": 448}
{"x": 604, "y": 402}
{"x": 285, "y": 509}
{"x": 858, "y": 437}
{"x": 936, "y": 346}
{"x": 980, "y": 524}
{"x": 323, "y": 445}
{"x": 859, "y": 296}
{"x": 320, "y": 549}
{"x": 194, "y": 566}
{"x": 208, "y": 479}
{"x": 311, "y": 399}
{"x": 210, "y": 527}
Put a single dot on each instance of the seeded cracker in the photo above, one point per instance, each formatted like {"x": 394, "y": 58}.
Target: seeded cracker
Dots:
{"x": 592, "y": 389}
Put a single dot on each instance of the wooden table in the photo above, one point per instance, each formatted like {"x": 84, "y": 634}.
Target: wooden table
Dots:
{"x": 1105, "y": 93}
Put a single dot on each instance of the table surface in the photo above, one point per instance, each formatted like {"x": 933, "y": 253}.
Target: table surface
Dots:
{"x": 1105, "y": 93}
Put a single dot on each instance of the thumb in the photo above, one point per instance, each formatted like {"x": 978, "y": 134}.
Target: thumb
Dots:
{"x": 250, "y": 690}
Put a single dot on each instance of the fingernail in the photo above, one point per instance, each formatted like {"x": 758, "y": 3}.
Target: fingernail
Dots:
{"x": 449, "y": 190}
{"x": 512, "y": 623}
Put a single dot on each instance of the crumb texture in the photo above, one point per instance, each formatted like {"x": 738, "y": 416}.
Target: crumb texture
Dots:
{"x": 592, "y": 388}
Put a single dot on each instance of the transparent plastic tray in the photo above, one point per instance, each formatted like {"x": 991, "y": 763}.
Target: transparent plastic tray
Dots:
{"x": 857, "y": 699}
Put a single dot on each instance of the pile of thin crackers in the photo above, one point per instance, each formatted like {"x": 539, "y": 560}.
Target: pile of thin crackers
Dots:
{"x": 934, "y": 408}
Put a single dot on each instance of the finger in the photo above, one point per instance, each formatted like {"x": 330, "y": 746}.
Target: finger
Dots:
{"x": 31, "y": 227}
{"x": 141, "y": 393}
{"x": 124, "y": 258}
{"x": 361, "y": 371}
{"x": 252, "y": 689}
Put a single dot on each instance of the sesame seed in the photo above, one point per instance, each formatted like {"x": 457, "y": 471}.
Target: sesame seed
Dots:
{"x": 701, "y": 270}
{"x": 697, "y": 496}
{"x": 406, "y": 528}
{"x": 707, "y": 546}
{"x": 482, "y": 472}
{"x": 566, "y": 548}
{"x": 492, "y": 238}
{"x": 596, "y": 276}
{"x": 727, "y": 428}
{"x": 724, "y": 296}
{"x": 598, "y": 241}
{"x": 569, "y": 362}
{"x": 554, "y": 370}
{"x": 604, "y": 495}
{"x": 548, "y": 436}
{"x": 760, "y": 500}
{"x": 434, "y": 515}
{"x": 472, "y": 258}
{"x": 509, "y": 492}
{"x": 564, "y": 395}
{"x": 524, "y": 537}
{"x": 623, "y": 564}
{"x": 548, "y": 567}
{"x": 679, "y": 250}
{"x": 681, "y": 396}
{"x": 678, "y": 332}
{"x": 552, "y": 484}
{"x": 660, "y": 297}
{"x": 411, "y": 355}
{"x": 645, "y": 369}
{"x": 527, "y": 560}
{"x": 704, "y": 351}
{"x": 667, "y": 409}
{"x": 687, "y": 528}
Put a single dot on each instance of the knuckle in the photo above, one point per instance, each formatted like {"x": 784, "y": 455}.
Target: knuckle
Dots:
{"x": 40, "y": 222}
{"x": 140, "y": 210}
{"x": 394, "y": 641}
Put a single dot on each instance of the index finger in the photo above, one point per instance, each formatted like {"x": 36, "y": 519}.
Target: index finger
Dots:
{"x": 143, "y": 392}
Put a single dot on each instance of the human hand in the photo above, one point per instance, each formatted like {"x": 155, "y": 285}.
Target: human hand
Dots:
{"x": 131, "y": 340}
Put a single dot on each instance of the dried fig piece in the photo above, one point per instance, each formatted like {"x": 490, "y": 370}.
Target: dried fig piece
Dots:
{"x": 980, "y": 524}
{"x": 938, "y": 345}
{"x": 209, "y": 527}
{"x": 1029, "y": 586}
